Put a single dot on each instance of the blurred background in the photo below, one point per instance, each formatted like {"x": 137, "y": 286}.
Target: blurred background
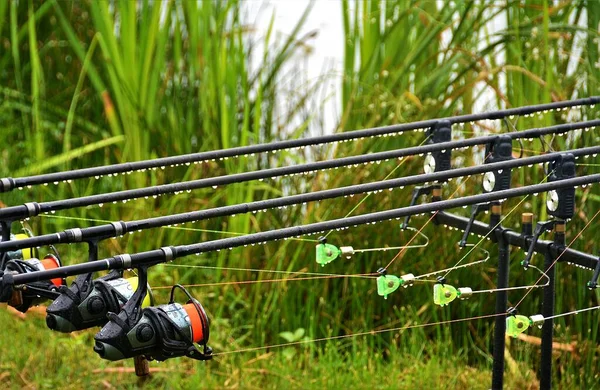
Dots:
{"x": 89, "y": 83}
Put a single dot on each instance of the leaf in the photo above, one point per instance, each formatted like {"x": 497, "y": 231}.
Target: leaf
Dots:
{"x": 287, "y": 336}
{"x": 292, "y": 337}
{"x": 298, "y": 334}
{"x": 65, "y": 157}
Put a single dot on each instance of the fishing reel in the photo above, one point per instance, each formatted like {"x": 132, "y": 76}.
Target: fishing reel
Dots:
{"x": 21, "y": 254}
{"x": 440, "y": 160}
{"x": 87, "y": 302}
{"x": 22, "y": 297}
{"x": 23, "y": 261}
{"x": 156, "y": 332}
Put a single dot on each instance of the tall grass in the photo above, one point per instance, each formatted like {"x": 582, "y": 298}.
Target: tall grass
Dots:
{"x": 90, "y": 83}
{"x": 412, "y": 60}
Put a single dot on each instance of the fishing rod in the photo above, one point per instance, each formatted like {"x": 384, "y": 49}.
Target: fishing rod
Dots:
{"x": 31, "y": 209}
{"x": 9, "y": 184}
{"x": 118, "y": 284}
{"x": 65, "y": 313}
{"x": 172, "y": 330}
{"x": 119, "y": 228}
{"x": 170, "y": 253}
{"x": 81, "y": 285}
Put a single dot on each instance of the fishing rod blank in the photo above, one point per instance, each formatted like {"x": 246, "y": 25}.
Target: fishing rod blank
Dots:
{"x": 116, "y": 229}
{"x": 8, "y": 184}
{"x": 31, "y": 209}
{"x": 157, "y": 256}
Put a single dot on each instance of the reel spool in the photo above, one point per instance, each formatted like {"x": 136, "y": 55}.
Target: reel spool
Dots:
{"x": 21, "y": 254}
{"x": 76, "y": 310}
{"x": 25, "y": 296}
{"x": 156, "y": 332}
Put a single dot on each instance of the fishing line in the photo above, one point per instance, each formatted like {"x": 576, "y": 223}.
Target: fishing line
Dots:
{"x": 473, "y": 247}
{"x": 280, "y": 280}
{"x": 486, "y": 258}
{"x": 379, "y": 331}
{"x": 426, "y": 223}
{"x": 401, "y": 247}
{"x": 528, "y": 287}
{"x": 164, "y": 227}
{"x": 492, "y": 230}
{"x": 431, "y": 273}
{"x": 170, "y": 253}
{"x": 252, "y": 270}
{"x": 32, "y": 209}
{"x": 319, "y": 275}
{"x": 8, "y": 184}
{"x": 119, "y": 228}
{"x": 385, "y": 178}
{"x": 561, "y": 254}
{"x": 368, "y": 333}
{"x": 387, "y": 330}
{"x": 572, "y": 312}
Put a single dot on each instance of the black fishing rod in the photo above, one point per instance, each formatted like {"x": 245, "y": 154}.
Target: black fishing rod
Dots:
{"x": 15, "y": 213}
{"x": 119, "y": 228}
{"x": 169, "y": 253}
{"x": 8, "y": 184}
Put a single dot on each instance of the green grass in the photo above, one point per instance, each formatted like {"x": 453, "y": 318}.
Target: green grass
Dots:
{"x": 67, "y": 361}
{"x": 74, "y": 94}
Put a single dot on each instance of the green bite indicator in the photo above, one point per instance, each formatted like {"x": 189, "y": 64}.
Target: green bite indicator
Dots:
{"x": 517, "y": 324}
{"x": 387, "y": 284}
{"x": 443, "y": 294}
{"x": 326, "y": 253}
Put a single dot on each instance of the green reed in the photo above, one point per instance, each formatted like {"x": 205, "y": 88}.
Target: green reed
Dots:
{"x": 92, "y": 83}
